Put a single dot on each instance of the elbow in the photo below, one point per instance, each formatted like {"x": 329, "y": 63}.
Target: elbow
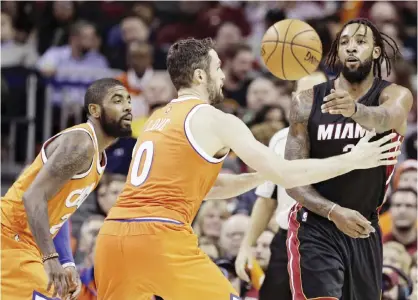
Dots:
{"x": 293, "y": 192}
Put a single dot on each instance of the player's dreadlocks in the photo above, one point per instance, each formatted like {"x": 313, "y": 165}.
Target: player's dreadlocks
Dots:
{"x": 379, "y": 39}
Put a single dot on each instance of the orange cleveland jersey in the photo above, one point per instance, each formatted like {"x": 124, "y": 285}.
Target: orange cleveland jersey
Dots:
{"x": 169, "y": 174}
{"x": 65, "y": 202}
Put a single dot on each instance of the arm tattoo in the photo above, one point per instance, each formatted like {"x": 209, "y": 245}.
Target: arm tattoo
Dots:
{"x": 298, "y": 147}
{"x": 72, "y": 158}
{"x": 373, "y": 117}
{"x": 73, "y": 155}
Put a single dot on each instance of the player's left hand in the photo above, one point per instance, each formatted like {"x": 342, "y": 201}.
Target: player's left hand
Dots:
{"x": 339, "y": 102}
{"x": 74, "y": 279}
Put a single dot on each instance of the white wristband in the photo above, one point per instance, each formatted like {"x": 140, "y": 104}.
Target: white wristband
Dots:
{"x": 329, "y": 213}
{"x": 68, "y": 264}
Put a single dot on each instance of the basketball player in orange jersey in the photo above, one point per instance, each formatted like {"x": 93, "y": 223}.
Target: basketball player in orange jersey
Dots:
{"x": 50, "y": 190}
{"x": 146, "y": 246}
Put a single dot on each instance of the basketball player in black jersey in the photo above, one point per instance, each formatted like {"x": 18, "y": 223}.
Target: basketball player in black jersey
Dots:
{"x": 334, "y": 241}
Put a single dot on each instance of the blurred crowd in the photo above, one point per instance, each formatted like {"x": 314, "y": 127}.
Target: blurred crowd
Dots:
{"x": 70, "y": 44}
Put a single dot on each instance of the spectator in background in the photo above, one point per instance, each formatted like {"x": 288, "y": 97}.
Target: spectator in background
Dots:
{"x": 396, "y": 261}
{"x": 72, "y": 68}
{"x": 157, "y": 93}
{"x": 139, "y": 74}
{"x": 261, "y": 92}
{"x": 227, "y": 36}
{"x": 207, "y": 245}
{"x": 271, "y": 114}
{"x": 383, "y": 12}
{"x": 88, "y": 233}
{"x": 55, "y": 22}
{"x": 113, "y": 189}
{"x": 14, "y": 54}
{"x": 262, "y": 251}
{"x": 237, "y": 67}
{"x": 78, "y": 52}
{"x": 232, "y": 233}
{"x": 405, "y": 175}
{"x": 262, "y": 254}
{"x": 210, "y": 219}
{"x": 131, "y": 28}
{"x": 403, "y": 208}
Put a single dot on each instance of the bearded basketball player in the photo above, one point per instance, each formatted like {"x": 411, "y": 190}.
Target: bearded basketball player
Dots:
{"x": 331, "y": 254}
{"x": 50, "y": 190}
{"x": 147, "y": 246}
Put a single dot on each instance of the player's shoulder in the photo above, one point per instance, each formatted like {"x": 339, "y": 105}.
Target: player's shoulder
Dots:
{"x": 208, "y": 112}
{"x": 78, "y": 139}
{"x": 301, "y": 106}
{"x": 394, "y": 88}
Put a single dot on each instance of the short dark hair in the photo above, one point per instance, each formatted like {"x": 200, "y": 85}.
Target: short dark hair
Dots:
{"x": 235, "y": 49}
{"x": 97, "y": 91}
{"x": 77, "y": 26}
{"x": 184, "y": 57}
{"x": 379, "y": 38}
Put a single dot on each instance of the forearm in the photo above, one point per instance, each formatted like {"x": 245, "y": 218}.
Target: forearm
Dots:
{"x": 36, "y": 207}
{"x": 62, "y": 242}
{"x": 229, "y": 185}
{"x": 308, "y": 171}
{"x": 263, "y": 211}
{"x": 311, "y": 199}
{"x": 377, "y": 117}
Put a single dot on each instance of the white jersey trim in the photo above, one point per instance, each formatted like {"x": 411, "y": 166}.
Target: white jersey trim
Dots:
{"x": 193, "y": 142}
{"x": 100, "y": 168}
{"x": 184, "y": 98}
{"x": 45, "y": 158}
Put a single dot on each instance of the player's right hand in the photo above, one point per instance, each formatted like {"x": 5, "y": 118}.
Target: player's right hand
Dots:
{"x": 368, "y": 154}
{"x": 243, "y": 262}
{"x": 351, "y": 222}
{"x": 56, "y": 277}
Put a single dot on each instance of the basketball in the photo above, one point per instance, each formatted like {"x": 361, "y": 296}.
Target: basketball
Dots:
{"x": 291, "y": 49}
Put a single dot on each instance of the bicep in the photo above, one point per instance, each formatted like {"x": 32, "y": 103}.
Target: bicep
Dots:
{"x": 235, "y": 135}
{"x": 68, "y": 159}
{"x": 297, "y": 144}
{"x": 399, "y": 102}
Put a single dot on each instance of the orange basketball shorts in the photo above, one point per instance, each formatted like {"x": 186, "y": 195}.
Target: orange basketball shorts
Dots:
{"x": 136, "y": 259}
{"x": 23, "y": 275}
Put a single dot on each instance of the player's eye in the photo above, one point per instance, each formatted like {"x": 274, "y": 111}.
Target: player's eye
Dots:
{"x": 343, "y": 42}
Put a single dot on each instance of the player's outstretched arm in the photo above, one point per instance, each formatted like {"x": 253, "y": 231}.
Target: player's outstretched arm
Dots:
{"x": 233, "y": 133}
{"x": 396, "y": 102}
{"x": 230, "y": 185}
{"x": 73, "y": 153}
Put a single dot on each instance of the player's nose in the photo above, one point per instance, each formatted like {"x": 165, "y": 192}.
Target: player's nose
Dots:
{"x": 351, "y": 48}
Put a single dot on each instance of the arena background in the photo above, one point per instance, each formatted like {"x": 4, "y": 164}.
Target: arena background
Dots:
{"x": 42, "y": 86}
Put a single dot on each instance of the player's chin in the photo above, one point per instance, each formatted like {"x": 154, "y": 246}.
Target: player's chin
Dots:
{"x": 125, "y": 131}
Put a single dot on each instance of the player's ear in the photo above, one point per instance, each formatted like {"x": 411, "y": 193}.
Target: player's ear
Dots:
{"x": 377, "y": 51}
{"x": 95, "y": 110}
{"x": 199, "y": 76}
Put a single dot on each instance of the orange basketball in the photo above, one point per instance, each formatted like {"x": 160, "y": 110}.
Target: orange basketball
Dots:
{"x": 291, "y": 49}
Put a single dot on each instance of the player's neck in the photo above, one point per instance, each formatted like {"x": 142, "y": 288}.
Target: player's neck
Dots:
{"x": 199, "y": 93}
{"x": 103, "y": 140}
{"x": 356, "y": 90}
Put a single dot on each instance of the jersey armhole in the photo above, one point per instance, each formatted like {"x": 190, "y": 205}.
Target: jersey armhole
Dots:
{"x": 45, "y": 158}
{"x": 193, "y": 142}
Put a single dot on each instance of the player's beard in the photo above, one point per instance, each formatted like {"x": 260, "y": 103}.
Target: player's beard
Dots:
{"x": 214, "y": 93}
{"x": 359, "y": 74}
{"x": 114, "y": 128}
